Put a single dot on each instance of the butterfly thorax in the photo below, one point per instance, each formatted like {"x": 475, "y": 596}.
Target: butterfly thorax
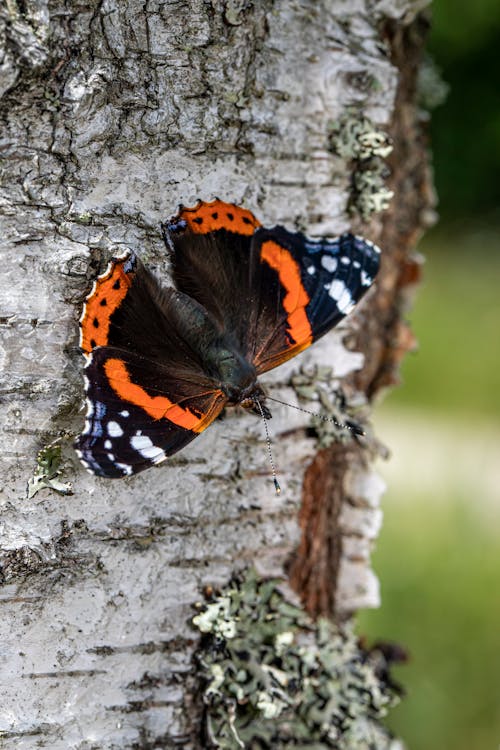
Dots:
{"x": 218, "y": 351}
{"x": 238, "y": 380}
{"x": 237, "y": 377}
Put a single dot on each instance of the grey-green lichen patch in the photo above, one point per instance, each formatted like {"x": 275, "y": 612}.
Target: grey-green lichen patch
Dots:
{"x": 84, "y": 218}
{"x": 47, "y": 473}
{"x": 370, "y": 195}
{"x": 355, "y": 138}
{"x": 432, "y": 90}
{"x": 233, "y": 12}
{"x": 274, "y": 679}
{"x": 338, "y": 419}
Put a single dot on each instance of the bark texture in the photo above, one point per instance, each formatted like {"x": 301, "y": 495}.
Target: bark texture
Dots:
{"x": 112, "y": 113}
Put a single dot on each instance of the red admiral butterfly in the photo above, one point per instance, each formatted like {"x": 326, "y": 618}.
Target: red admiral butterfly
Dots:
{"x": 163, "y": 362}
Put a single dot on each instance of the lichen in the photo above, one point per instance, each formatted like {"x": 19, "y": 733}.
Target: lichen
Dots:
{"x": 272, "y": 678}
{"x": 370, "y": 193}
{"x": 432, "y": 90}
{"x": 233, "y": 12}
{"x": 339, "y": 418}
{"x": 355, "y": 138}
{"x": 84, "y": 218}
{"x": 48, "y": 471}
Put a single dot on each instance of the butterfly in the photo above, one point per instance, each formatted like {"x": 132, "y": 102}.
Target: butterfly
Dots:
{"x": 162, "y": 362}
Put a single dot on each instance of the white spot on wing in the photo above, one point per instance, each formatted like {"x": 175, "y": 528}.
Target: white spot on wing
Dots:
{"x": 140, "y": 441}
{"x": 337, "y": 289}
{"x": 108, "y": 444}
{"x": 365, "y": 279}
{"x": 145, "y": 446}
{"x": 125, "y": 413}
{"x": 342, "y": 296}
{"x": 125, "y": 468}
{"x": 114, "y": 429}
{"x": 369, "y": 243}
{"x": 329, "y": 263}
{"x": 345, "y": 260}
{"x": 311, "y": 270}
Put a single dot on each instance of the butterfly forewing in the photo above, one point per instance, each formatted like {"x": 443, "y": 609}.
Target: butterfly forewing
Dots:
{"x": 214, "y": 262}
{"x": 320, "y": 282}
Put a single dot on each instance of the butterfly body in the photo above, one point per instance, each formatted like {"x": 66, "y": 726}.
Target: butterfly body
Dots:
{"x": 163, "y": 362}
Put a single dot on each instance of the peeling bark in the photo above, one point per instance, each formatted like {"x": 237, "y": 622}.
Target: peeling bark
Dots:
{"x": 111, "y": 114}
{"x": 384, "y": 337}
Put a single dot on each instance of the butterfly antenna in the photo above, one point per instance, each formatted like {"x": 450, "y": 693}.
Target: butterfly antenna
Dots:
{"x": 344, "y": 425}
{"x": 268, "y": 441}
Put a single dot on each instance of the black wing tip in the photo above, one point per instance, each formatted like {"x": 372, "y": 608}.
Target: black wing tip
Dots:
{"x": 358, "y": 241}
{"x": 128, "y": 259}
{"x": 174, "y": 225}
{"x": 105, "y": 469}
{"x": 131, "y": 262}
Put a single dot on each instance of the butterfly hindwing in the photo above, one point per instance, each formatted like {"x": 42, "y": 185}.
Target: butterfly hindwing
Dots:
{"x": 131, "y": 426}
{"x": 147, "y": 390}
{"x": 107, "y": 295}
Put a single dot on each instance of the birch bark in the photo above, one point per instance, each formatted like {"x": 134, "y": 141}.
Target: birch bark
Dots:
{"x": 112, "y": 113}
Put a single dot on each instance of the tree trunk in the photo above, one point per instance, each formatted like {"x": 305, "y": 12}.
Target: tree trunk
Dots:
{"x": 112, "y": 113}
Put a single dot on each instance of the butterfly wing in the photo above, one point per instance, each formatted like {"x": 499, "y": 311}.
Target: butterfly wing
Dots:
{"x": 274, "y": 291}
{"x": 213, "y": 261}
{"x": 319, "y": 283}
{"x": 148, "y": 394}
{"x": 268, "y": 292}
{"x": 139, "y": 412}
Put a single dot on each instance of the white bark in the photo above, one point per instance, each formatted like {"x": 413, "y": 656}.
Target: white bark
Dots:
{"x": 112, "y": 114}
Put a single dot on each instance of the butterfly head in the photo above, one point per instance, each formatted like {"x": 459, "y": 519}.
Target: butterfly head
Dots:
{"x": 238, "y": 381}
{"x": 255, "y": 402}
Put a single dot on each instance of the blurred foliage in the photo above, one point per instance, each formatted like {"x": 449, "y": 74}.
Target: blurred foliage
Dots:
{"x": 456, "y": 319}
{"x": 437, "y": 556}
{"x": 465, "y": 132}
{"x": 437, "y": 559}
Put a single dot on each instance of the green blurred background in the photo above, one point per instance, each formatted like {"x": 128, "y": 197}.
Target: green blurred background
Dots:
{"x": 438, "y": 556}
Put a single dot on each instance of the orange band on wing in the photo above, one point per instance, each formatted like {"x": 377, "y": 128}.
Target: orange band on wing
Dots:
{"x": 108, "y": 293}
{"x": 158, "y": 407}
{"x": 208, "y": 217}
{"x": 296, "y": 298}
